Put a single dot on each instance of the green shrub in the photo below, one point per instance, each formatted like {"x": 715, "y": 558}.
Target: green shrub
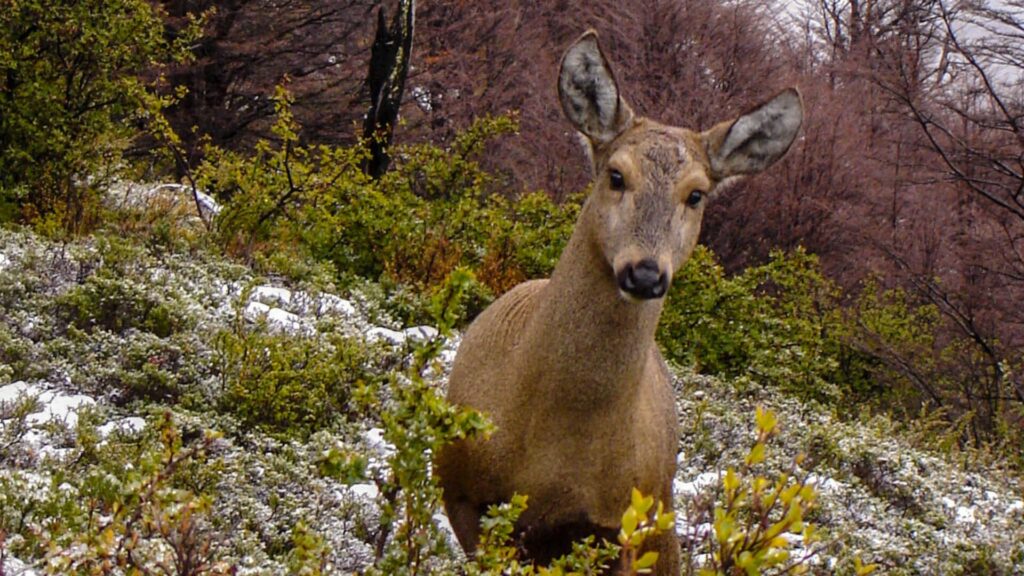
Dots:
{"x": 136, "y": 504}
{"x": 757, "y": 517}
{"x": 72, "y": 98}
{"x": 117, "y": 305}
{"x": 289, "y": 385}
{"x": 780, "y": 323}
{"x": 437, "y": 210}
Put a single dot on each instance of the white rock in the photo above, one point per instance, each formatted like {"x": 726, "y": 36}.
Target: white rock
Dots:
{"x": 272, "y": 295}
{"x": 331, "y": 304}
{"x": 420, "y": 333}
{"x": 367, "y": 491}
{"x": 378, "y": 334}
{"x": 447, "y": 357}
{"x": 277, "y": 319}
{"x": 255, "y": 310}
{"x": 4, "y": 262}
{"x": 130, "y": 425}
{"x": 285, "y": 321}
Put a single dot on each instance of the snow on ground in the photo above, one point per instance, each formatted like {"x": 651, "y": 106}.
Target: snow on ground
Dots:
{"x": 878, "y": 494}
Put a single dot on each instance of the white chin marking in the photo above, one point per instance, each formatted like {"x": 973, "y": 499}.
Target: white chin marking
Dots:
{"x": 629, "y": 297}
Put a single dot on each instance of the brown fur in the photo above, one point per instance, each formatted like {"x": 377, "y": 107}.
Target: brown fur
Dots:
{"x": 567, "y": 368}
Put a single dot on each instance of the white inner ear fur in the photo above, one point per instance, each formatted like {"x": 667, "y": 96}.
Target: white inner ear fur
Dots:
{"x": 590, "y": 97}
{"x": 761, "y": 137}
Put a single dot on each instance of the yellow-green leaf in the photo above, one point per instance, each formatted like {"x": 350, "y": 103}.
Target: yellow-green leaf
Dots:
{"x": 647, "y": 560}
{"x": 756, "y": 455}
{"x": 629, "y": 521}
{"x": 766, "y": 420}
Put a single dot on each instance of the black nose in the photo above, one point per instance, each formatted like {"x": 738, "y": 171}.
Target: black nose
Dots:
{"x": 644, "y": 280}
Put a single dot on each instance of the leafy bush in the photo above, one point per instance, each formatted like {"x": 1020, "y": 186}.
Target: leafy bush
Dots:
{"x": 288, "y": 384}
{"x": 113, "y": 304}
{"x": 780, "y": 323}
{"x": 72, "y": 98}
{"x": 417, "y": 422}
{"x": 757, "y": 521}
{"x": 435, "y": 211}
{"x": 132, "y": 504}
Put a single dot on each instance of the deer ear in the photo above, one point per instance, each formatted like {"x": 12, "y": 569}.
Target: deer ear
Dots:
{"x": 755, "y": 140}
{"x": 589, "y": 94}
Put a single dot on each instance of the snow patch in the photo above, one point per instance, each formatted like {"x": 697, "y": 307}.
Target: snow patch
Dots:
{"x": 380, "y": 334}
{"x": 277, "y": 319}
{"x": 695, "y": 486}
{"x": 331, "y": 304}
{"x": 60, "y": 408}
{"x": 14, "y": 567}
{"x": 965, "y": 515}
{"x": 52, "y": 406}
{"x": 13, "y": 392}
{"x": 128, "y": 426}
{"x": 374, "y": 438}
{"x": 366, "y": 490}
{"x": 272, "y": 295}
{"x": 444, "y": 524}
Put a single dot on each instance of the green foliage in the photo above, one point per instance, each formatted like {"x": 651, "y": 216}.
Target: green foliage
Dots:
{"x": 133, "y": 505}
{"x": 437, "y": 210}
{"x": 288, "y": 384}
{"x": 417, "y": 422}
{"x": 108, "y": 303}
{"x": 308, "y": 556}
{"x": 72, "y": 98}
{"x": 780, "y": 323}
{"x": 757, "y": 520}
{"x": 497, "y": 555}
{"x": 639, "y": 522}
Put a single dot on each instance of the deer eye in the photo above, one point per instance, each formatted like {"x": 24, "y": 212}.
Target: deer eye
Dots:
{"x": 617, "y": 180}
{"x": 694, "y": 198}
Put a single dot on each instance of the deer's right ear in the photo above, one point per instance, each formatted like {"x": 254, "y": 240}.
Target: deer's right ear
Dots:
{"x": 589, "y": 94}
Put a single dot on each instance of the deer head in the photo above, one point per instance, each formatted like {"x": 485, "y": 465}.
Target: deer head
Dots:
{"x": 651, "y": 181}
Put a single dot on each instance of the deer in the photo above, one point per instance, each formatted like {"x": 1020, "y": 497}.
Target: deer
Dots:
{"x": 567, "y": 368}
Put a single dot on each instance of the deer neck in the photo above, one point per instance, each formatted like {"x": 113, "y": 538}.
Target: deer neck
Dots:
{"x": 589, "y": 342}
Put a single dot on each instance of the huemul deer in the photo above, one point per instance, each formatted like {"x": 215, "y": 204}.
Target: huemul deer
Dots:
{"x": 567, "y": 367}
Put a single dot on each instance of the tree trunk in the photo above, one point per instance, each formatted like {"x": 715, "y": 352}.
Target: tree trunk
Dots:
{"x": 389, "y": 66}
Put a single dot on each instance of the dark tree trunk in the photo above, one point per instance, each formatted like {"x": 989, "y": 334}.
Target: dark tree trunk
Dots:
{"x": 389, "y": 66}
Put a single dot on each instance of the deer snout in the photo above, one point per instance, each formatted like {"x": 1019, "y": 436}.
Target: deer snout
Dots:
{"x": 644, "y": 280}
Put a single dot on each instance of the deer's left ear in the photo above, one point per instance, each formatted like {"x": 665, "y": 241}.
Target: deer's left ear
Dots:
{"x": 755, "y": 140}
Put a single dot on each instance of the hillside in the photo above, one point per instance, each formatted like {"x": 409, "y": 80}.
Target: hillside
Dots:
{"x": 134, "y": 387}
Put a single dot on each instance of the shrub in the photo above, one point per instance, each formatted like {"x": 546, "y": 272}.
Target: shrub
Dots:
{"x": 133, "y": 505}
{"x": 780, "y": 323}
{"x": 437, "y": 210}
{"x": 72, "y": 99}
{"x": 288, "y": 384}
